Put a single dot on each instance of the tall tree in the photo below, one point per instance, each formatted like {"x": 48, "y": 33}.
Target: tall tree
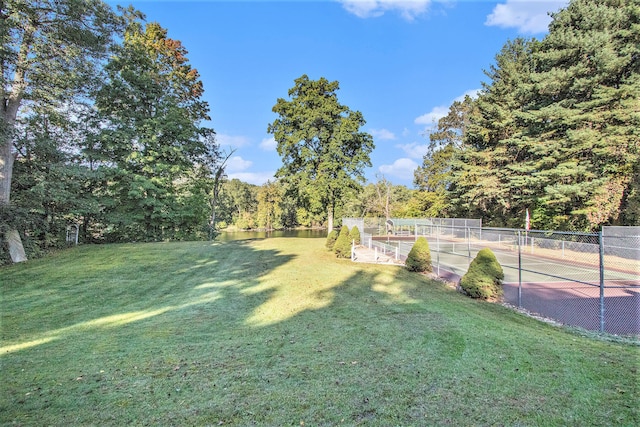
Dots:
{"x": 556, "y": 129}
{"x": 324, "y": 153}
{"x": 218, "y": 180}
{"x": 490, "y": 178}
{"x": 49, "y": 55}
{"x": 269, "y": 214}
{"x": 434, "y": 177}
{"x": 152, "y": 111}
{"x": 581, "y": 129}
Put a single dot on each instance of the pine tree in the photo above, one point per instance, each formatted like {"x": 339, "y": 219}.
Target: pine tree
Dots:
{"x": 484, "y": 277}
{"x": 342, "y": 247}
{"x": 580, "y": 130}
{"x": 419, "y": 257}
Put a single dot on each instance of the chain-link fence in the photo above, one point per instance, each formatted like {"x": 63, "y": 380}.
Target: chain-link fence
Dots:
{"x": 405, "y": 226}
{"x": 589, "y": 280}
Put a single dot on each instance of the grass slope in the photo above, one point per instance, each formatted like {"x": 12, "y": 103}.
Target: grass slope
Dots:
{"x": 280, "y": 332}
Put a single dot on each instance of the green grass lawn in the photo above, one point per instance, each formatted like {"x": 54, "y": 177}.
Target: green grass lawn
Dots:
{"x": 280, "y": 332}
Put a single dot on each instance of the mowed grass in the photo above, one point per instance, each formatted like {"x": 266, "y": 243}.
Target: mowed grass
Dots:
{"x": 279, "y": 332}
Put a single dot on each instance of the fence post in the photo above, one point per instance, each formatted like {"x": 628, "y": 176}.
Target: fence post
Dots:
{"x": 468, "y": 232}
{"x": 519, "y": 270}
{"x": 438, "y": 251}
{"x": 353, "y": 250}
{"x": 601, "y": 245}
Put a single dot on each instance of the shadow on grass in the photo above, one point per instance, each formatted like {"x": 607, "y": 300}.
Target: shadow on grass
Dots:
{"x": 240, "y": 283}
{"x": 125, "y": 285}
{"x": 282, "y": 333}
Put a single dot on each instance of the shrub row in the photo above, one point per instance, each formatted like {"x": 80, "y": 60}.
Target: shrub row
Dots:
{"x": 340, "y": 243}
{"x": 483, "y": 279}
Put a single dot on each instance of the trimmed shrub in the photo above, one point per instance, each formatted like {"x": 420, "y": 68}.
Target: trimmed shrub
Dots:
{"x": 419, "y": 258}
{"x": 331, "y": 239}
{"x": 354, "y": 235}
{"x": 484, "y": 277}
{"x": 342, "y": 248}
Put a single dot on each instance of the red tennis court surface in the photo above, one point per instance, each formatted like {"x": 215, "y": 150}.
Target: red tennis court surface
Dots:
{"x": 578, "y": 304}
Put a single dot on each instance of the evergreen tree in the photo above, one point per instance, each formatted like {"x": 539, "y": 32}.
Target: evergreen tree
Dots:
{"x": 484, "y": 277}
{"x": 354, "y": 235}
{"x": 342, "y": 247}
{"x": 581, "y": 129}
{"x": 331, "y": 239}
{"x": 488, "y": 172}
{"x": 555, "y": 131}
{"x": 434, "y": 177}
{"x": 419, "y": 257}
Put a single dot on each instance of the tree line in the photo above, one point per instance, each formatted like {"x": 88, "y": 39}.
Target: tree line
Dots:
{"x": 104, "y": 126}
{"x": 555, "y": 130}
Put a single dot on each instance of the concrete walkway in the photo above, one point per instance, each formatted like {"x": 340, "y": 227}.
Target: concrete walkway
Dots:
{"x": 371, "y": 256}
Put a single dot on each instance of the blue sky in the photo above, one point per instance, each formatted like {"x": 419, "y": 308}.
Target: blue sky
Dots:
{"x": 400, "y": 63}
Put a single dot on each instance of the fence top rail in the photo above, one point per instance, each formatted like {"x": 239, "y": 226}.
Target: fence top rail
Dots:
{"x": 473, "y": 224}
{"x": 549, "y": 232}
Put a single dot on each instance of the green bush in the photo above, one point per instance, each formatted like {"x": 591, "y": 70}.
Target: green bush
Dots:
{"x": 484, "y": 277}
{"x": 342, "y": 248}
{"x": 419, "y": 258}
{"x": 354, "y": 235}
{"x": 331, "y": 239}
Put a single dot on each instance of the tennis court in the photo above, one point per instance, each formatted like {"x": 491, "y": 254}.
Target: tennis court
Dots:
{"x": 569, "y": 279}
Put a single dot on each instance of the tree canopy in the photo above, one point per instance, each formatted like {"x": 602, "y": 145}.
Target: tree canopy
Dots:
{"x": 555, "y": 130}
{"x": 150, "y": 110}
{"x": 323, "y": 151}
{"x": 50, "y": 55}
{"x": 104, "y": 127}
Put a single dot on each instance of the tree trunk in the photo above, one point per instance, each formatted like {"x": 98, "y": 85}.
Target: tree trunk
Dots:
{"x": 10, "y": 104}
{"x": 7, "y": 158}
{"x": 12, "y": 237}
{"x": 329, "y": 219}
{"x": 6, "y": 169}
{"x": 217, "y": 182}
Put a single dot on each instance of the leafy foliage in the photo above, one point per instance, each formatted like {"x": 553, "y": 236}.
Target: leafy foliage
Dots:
{"x": 419, "y": 258}
{"x": 269, "y": 215}
{"x": 553, "y": 131}
{"x": 484, "y": 277}
{"x": 342, "y": 247}
{"x": 150, "y": 109}
{"x": 50, "y": 56}
{"x": 322, "y": 149}
{"x": 354, "y": 235}
{"x": 331, "y": 239}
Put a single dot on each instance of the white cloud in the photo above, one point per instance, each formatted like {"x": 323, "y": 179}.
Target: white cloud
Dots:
{"x": 401, "y": 168}
{"x": 472, "y": 93}
{"x": 436, "y": 113}
{"x": 432, "y": 117}
{"x": 269, "y": 144}
{"x": 255, "y": 178}
{"x": 527, "y": 16}
{"x": 382, "y": 134}
{"x": 414, "y": 150}
{"x": 237, "y": 163}
{"x": 408, "y": 9}
{"x": 232, "y": 140}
